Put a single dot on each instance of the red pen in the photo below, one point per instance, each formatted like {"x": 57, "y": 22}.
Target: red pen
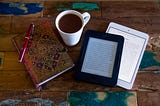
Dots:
{"x": 26, "y": 41}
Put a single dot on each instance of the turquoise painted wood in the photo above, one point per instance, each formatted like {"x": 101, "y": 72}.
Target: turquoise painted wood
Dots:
{"x": 79, "y": 6}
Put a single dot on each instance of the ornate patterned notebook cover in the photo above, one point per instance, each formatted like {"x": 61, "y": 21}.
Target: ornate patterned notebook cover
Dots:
{"x": 45, "y": 58}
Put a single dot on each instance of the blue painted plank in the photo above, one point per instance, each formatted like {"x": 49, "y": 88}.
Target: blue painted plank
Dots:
{"x": 20, "y": 8}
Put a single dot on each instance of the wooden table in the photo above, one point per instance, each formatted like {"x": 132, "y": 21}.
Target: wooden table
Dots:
{"x": 15, "y": 82}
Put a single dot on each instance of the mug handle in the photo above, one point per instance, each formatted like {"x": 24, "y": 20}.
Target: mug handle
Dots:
{"x": 86, "y": 17}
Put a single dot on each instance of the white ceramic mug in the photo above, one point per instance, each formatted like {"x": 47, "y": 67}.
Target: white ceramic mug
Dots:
{"x": 72, "y": 39}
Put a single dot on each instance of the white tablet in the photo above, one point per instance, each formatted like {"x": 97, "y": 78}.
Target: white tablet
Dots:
{"x": 134, "y": 46}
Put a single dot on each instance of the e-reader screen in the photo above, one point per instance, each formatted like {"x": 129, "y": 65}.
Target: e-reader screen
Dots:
{"x": 99, "y": 58}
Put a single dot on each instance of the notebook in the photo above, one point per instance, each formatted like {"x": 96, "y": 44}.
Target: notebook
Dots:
{"x": 45, "y": 57}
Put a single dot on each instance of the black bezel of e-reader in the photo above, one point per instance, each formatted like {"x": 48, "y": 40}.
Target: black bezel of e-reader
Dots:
{"x": 96, "y": 78}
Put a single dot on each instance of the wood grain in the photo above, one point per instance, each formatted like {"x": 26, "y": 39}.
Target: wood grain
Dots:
{"x": 142, "y": 15}
{"x": 5, "y": 24}
{"x": 114, "y": 9}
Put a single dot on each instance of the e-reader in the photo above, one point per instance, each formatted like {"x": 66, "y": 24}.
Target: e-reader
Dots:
{"x": 100, "y": 58}
{"x": 134, "y": 46}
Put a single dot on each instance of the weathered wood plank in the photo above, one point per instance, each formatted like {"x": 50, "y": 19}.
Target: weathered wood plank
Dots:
{"x": 11, "y": 62}
{"x": 33, "y": 98}
{"x": 114, "y": 9}
{"x": 20, "y": 23}
{"x": 148, "y": 24}
{"x": 148, "y": 98}
{"x": 53, "y": 8}
{"x": 147, "y": 81}
{"x": 144, "y": 81}
{"x": 31, "y": 9}
{"x": 60, "y": 98}
{"x": 5, "y": 24}
{"x": 6, "y": 44}
{"x": 15, "y": 80}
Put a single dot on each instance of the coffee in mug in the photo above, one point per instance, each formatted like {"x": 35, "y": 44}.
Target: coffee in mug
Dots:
{"x": 70, "y": 24}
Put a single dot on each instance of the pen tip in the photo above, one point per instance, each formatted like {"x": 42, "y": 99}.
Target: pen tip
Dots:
{"x": 20, "y": 61}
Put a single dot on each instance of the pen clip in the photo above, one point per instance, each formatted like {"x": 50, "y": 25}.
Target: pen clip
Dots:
{"x": 27, "y": 40}
{"x": 31, "y": 36}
